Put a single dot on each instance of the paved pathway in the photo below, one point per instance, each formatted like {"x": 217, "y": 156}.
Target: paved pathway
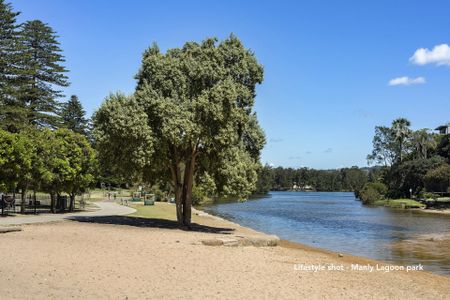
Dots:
{"x": 105, "y": 209}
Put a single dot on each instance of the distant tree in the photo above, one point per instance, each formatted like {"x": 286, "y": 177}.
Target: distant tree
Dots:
{"x": 353, "y": 179}
{"x": 423, "y": 143}
{"x": 73, "y": 116}
{"x": 384, "y": 151}
{"x": 43, "y": 71}
{"x": 265, "y": 180}
{"x": 391, "y": 144}
{"x": 410, "y": 175}
{"x": 371, "y": 192}
{"x": 402, "y": 132}
{"x": 198, "y": 103}
{"x": 443, "y": 147}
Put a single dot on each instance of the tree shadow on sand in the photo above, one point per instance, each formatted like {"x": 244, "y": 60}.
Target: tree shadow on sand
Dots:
{"x": 149, "y": 223}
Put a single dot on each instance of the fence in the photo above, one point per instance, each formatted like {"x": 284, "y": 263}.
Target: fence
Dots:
{"x": 39, "y": 203}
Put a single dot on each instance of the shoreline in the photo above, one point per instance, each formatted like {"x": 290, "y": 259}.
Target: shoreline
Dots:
{"x": 445, "y": 211}
{"x": 344, "y": 257}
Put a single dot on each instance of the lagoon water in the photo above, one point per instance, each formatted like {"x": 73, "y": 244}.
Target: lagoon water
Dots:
{"x": 338, "y": 222}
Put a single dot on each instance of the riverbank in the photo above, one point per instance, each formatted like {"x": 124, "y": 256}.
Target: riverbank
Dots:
{"x": 133, "y": 257}
{"x": 435, "y": 211}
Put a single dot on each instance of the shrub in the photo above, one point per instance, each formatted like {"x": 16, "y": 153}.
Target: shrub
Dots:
{"x": 438, "y": 179}
{"x": 428, "y": 195}
{"x": 371, "y": 192}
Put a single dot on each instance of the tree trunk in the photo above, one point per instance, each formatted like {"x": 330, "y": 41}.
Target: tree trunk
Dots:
{"x": 187, "y": 192}
{"x": 178, "y": 190}
{"x": 179, "y": 203}
{"x": 52, "y": 202}
{"x": 23, "y": 200}
{"x": 72, "y": 201}
{"x": 183, "y": 187}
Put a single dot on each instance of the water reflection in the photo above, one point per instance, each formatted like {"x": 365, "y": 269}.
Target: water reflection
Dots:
{"x": 336, "y": 221}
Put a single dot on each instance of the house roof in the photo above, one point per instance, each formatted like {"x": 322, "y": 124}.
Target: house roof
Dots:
{"x": 443, "y": 126}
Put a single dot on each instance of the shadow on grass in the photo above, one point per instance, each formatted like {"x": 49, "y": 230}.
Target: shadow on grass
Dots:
{"x": 149, "y": 223}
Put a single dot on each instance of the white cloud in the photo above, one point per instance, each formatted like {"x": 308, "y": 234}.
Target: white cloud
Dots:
{"x": 405, "y": 80}
{"x": 439, "y": 55}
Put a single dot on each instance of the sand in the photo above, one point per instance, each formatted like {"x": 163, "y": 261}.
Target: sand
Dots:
{"x": 141, "y": 259}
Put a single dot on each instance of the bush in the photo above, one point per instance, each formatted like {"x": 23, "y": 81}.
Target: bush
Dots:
{"x": 371, "y": 192}
{"x": 430, "y": 195}
{"x": 438, "y": 179}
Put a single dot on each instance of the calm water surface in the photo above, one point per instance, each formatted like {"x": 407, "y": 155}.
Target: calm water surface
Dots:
{"x": 338, "y": 222}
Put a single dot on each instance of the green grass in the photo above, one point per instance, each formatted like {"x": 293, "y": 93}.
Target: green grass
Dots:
{"x": 161, "y": 210}
{"x": 397, "y": 203}
{"x": 443, "y": 199}
{"x": 100, "y": 195}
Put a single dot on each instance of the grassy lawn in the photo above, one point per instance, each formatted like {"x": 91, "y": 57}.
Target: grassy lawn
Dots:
{"x": 161, "y": 210}
{"x": 100, "y": 195}
{"x": 397, "y": 203}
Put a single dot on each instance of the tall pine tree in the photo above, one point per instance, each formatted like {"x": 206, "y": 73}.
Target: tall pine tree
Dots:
{"x": 73, "y": 115}
{"x": 43, "y": 73}
{"x": 8, "y": 48}
{"x": 10, "y": 68}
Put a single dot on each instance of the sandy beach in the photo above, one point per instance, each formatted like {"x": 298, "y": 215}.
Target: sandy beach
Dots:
{"x": 134, "y": 258}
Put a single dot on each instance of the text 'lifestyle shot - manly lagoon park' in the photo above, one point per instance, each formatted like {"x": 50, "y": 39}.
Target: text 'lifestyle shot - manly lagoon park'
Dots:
{"x": 224, "y": 149}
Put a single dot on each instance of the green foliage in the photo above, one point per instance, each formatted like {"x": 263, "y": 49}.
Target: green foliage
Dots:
{"x": 423, "y": 143}
{"x": 30, "y": 70}
{"x": 43, "y": 71}
{"x": 265, "y": 180}
{"x": 428, "y": 195}
{"x": 80, "y": 159}
{"x": 345, "y": 179}
{"x": 391, "y": 144}
{"x": 123, "y": 138}
{"x": 383, "y": 147}
{"x": 9, "y": 37}
{"x": 204, "y": 189}
{"x": 443, "y": 147}
{"x": 16, "y": 153}
{"x": 66, "y": 162}
{"x": 372, "y": 192}
{"x": 408, "y": 157}
{"x": 11, "y": 116}
{"x": 438, "y": 179}
{"x": 410, "y": 175}
{"x": 195, "y": 104}
{"x": 73, "y": 116}
{"x": 353, "y": 179}
{"x": 401, "y": 133}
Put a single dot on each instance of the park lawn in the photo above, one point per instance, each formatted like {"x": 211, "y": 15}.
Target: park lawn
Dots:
{"x": 397, "y": 203}
{"x": 100, "y": 195}
{"x": 161, "y": 210}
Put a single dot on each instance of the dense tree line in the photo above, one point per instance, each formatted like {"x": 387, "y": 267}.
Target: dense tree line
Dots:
{"x": 412, "y": 163}
{"x": 281, "y": 179}
{"x": 43, "y": 144}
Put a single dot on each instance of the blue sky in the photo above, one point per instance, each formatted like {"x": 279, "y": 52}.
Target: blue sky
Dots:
{"x": 327, "y": 63}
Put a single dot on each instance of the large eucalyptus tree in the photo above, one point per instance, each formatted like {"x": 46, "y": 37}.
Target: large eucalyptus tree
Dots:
{"x": 193, "y": 107}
